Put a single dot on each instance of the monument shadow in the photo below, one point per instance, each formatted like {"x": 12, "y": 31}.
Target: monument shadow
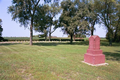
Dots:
{"x": 114, "y": 56}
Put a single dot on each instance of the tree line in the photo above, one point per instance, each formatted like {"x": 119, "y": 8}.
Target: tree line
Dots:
{"x": 77, "y": 17}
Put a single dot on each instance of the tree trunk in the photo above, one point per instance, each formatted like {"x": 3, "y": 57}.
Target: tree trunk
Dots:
{"x": 92, "y": 30}
{"x": 49, "y": 36}
{"x": 74, "y": 37}
{"x": 115, "y": 35}
{"x": 119, "y": 39}
{"x": 46, "y": 36}
{"x": 93, "y": 24}
{"x": 110, "y": 38}
{"x": 50, "y": 33}
{"x": 31, "y": 31}
{"x": 110, "y": 42}
{"x": 71, "y": 40}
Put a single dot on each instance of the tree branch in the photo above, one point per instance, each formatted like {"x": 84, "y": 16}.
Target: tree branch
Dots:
{"x": 53, "y": 30}
{"x": 37, "y": 3}
{"x": 33, "y": 2}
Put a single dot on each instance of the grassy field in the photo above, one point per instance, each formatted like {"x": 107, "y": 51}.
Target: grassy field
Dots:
{"x": 56, "y": 61}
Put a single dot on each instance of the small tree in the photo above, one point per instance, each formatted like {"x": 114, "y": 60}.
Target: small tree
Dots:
{"x": 93, "y": 17}
{"x": 107, "y": 12}
{"x": 46, "y": 19}
{"x": 53, "y": 11}
{"x": 42, "y": 21}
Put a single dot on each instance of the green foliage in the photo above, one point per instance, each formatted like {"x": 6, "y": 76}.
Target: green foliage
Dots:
{"x": 80, "y": 36}
{"x": 35, "y": 35}
{"x": 2, "y": 39}
{"x": 46, "y": 18}
{"x": 24, "y": 11}
{"x": 21, "y": 11}
{"x": 93, "y": 17}
{"x": 77, "y": 16}
{"x": 53, "y": 11}
{"x": 108, "y": 11}
{"x": 42, "y": 20}
{"x": 47, "y": 1}
{"x": 73, "y": 17}
{"x": 1, "y": 29}
{"x": 41, "y": 35}
{"x": 116, "y": 37}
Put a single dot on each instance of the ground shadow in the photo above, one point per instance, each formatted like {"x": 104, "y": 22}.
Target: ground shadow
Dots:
{"x": 105, "y": 43}
{"x": 61, "y": 43}
{"x": 45, "y": 44}
{"x": 102, "y": 43}
{"x": 52, "y": 43}
{"x": 6, "y": 44}
{"x": 117, "y": 51}
{"x": 112, "y": 56}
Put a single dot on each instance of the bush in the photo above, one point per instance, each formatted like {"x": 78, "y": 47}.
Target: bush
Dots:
{"x": 1, "y": 39}
{"x": 38, "y": 39}
{"x": 114, "y": 38}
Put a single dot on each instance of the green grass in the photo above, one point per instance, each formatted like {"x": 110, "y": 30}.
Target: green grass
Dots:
{"x": 56, "y": 61}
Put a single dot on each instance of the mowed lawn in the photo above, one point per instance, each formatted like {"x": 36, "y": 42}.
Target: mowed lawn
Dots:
{"x": 56, "y": 61}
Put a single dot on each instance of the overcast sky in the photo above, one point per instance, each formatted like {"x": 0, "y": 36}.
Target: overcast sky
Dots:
{"x": 13, "y": 29}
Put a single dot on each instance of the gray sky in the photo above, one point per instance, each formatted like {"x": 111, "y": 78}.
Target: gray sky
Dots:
{"x": 13, "y": 29}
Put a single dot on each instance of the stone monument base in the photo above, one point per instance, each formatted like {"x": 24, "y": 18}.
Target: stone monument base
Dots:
{"x": 94, "y": 58}
{"x": 103, "y": 64}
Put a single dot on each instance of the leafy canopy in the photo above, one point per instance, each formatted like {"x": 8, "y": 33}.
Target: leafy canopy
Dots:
{"x": 73, "y": 17}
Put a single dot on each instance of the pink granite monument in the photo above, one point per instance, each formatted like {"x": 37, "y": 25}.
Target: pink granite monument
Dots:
{"x": 94, "y": 55}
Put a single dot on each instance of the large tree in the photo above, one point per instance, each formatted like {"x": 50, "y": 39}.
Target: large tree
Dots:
{"x": 116, "y": 23}
{"x": 107, "y": 13}
{"x": 73, "y": 17}
{"x": 24, "y": 11}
